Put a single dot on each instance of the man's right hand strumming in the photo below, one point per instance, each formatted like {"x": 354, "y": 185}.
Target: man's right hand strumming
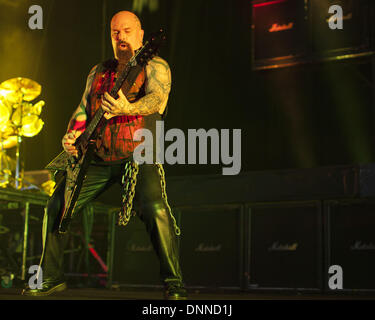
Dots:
{"x": 68, "y": 142}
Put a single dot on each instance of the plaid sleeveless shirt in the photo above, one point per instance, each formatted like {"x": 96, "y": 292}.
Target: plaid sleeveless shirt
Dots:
{"x": 116, "y": 142}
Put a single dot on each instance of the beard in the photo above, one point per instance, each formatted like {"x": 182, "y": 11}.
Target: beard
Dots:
{"x": 124, "y": 54}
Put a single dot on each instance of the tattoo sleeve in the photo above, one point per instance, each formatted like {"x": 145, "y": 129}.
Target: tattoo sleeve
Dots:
{"x": 158, "y": 86}
{"x": 79, "y": 117}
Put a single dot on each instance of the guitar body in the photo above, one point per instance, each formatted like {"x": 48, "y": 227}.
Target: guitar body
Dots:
{"x": 64, "y": 159}
{"x": 75, "y": 176}
{"x": 60, "y": 163}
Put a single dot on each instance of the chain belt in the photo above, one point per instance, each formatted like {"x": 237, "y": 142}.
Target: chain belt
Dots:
{"x": 129, "y": 181}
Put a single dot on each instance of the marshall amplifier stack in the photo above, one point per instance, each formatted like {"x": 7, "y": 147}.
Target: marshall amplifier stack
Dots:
{"x": 306, "y": 230}
{"x": 289, "y": 32}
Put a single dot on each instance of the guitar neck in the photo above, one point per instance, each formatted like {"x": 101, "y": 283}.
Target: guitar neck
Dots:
{"x": 98, "y": 116}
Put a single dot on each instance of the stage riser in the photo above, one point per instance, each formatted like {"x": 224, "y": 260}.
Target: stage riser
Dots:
{"x": 323, "y": 183}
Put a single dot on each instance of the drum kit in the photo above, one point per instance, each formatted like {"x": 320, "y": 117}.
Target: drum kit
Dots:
{"x": 19, "y": 118}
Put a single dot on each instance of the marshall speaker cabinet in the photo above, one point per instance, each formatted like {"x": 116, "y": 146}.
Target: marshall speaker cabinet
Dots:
{"x": 355, "y": 35}
{"x": 132, "y": 258}
{"x": 288, "y": 32}
{"x": 280, "y": 30}
{"x": 350, "y": 241}
{"x": 284, "y": 246}
{"x": 212, "y": 246}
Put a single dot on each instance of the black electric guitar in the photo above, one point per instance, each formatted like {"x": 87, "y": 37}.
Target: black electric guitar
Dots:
{"x": 76, "y": 167}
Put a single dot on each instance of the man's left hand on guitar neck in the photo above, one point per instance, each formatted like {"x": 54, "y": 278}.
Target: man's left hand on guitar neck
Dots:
{"x": 114, "y": 107}
{"x": 157, "y": 89}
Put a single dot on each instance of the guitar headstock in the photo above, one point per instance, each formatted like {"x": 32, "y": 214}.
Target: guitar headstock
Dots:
{"x": 150, "y": 48}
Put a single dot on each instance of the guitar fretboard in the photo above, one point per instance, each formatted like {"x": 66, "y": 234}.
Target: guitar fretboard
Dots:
{"x": 100, "y": 112}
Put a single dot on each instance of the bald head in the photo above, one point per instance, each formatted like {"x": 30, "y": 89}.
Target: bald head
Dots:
{"x": 126, "y": 15}
{"x": 126, "y": 34}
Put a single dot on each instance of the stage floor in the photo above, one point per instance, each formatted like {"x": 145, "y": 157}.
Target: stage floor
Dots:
{"x": 152, "y": 294}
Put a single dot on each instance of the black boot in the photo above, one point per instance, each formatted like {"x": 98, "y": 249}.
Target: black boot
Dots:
{"x": 175, "y": 291}
{"x": 48, "y": 287}
{"x": 52, "y": 278}
{"x": 160, "y": 223}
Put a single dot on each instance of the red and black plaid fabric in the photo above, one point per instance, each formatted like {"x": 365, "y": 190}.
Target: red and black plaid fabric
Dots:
{"x": 116, "y": 142}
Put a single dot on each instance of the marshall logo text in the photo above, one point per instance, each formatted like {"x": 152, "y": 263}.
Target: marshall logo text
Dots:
{"x": 360, "y": 245}
{"x": 281, "y": 27}
{"x": 208, "y": 248}
{"x": 276, "y": 246}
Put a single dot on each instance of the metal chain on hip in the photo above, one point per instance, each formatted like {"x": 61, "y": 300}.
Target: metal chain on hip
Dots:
{"x": 129, "y": 181}
{"x": 164, "y": 196}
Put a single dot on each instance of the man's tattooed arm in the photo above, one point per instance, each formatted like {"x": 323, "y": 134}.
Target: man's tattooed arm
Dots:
{"x": 158, "y": 86}
{"x": 77, "y": 123}
{"x": 78, "y": 120}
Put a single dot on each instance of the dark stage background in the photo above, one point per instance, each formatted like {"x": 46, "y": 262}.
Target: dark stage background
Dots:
{"x": 297, "y": 117}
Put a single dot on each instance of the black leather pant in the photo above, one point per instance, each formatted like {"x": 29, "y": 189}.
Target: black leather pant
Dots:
{"x": 153, "y": 211}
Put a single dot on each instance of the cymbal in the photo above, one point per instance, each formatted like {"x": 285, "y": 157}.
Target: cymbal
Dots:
{"x": 8, "y": 143}
{"x": 27, "y": 116}
{"x": 23, "y": 110}
{"x": 18, "y": 89}
{"x": 7, "y": 129}
{"x": 32, "y": 126}
{"x": 37, "y": 108}
{"x": 5, "y": 111}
